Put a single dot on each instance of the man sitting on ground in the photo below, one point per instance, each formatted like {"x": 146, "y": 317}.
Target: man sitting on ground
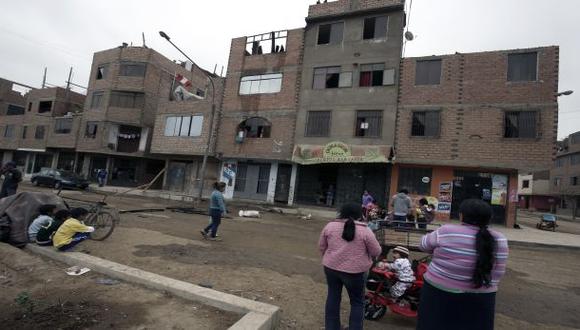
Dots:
{"x": 45, "y": 234}
{"x": 44, "y": 219}
{"x": 72, "y": 231}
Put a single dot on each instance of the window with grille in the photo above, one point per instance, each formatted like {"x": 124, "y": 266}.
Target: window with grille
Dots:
{"x": 255, "y": 128}
{"x": 132, "y": 100}
{"x": 97, "y": 100}
{"x": 523, "y": 67}
{"x": 184, "y": 126}
{"x": 520, "y": 124}
{"x": 318, "y": 123}
{"x": 413, "y": 179}
{"x": 263, "y": 179}
{"x": 375, "y": 27}
{"x": 9, "y": 131}
{"x": 241, "y": 178}
{"x": 14, "y": 110}
{"x": 132, "y": 69}
{"x": 39, "y": 133}
{"x": 267, "y": 43}
{"x": 331, "y": 77}
{"x": 63, "y": 125}
{"x": 261, "y": 84}
{"x": 330, "y": 34}
{"x": 91, "y": 130}
{"x": 428, "y": 72}
{"x": 425, "y": 123}
{"x": 369, "y": 123}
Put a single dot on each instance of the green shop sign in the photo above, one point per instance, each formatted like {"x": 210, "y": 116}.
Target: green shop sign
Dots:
{"x": 339, "y": 152}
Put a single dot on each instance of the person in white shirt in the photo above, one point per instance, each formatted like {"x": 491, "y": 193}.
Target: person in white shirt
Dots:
{"x": 402, "y": 267}
{"x": 44, "y": 219}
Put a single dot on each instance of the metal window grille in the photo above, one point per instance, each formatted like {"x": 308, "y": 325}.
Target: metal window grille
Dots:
{"x": 369, "y": 123}
{"x": 412, "y": 179}
{"x": 127, "y": 100}
{"x": 522, "y": 67}
{"x": 428, "y": 72}
{"x": 520, "y": 124}
{"x": 318, "y": 123}
{"x": 425, "y": 123}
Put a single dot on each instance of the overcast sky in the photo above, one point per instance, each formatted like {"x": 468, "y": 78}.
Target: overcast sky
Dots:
{"x": 59, "y": 34}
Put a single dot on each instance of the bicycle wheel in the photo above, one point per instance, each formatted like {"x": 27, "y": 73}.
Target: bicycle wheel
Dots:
{"x": 104, "y": 223}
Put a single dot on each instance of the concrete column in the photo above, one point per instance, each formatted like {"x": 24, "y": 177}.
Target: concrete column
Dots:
{"x": 55, "y": 159}
{"x": 109, "y": 167}
{"x": 292, "y": 189}
{"x": 86, "y": 166}
{"x": 272, "y": 183}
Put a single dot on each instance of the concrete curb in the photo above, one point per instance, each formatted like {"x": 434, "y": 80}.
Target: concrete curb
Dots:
{"x": 543, "y": 245}
{"x": 257, "y": 315}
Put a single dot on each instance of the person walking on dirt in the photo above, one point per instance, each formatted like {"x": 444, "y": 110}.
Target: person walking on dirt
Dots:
{"x": 347, "y": 246}
{"x": 102, "y": 177}
{"x": 12, "y": 177}
{"x": 217, "y": 208}
{"x": 401, "y": 204}
{"x": 468, "y": 263}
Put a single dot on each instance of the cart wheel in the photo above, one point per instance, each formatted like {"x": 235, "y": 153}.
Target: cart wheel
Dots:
{"x": 374, "y": 312}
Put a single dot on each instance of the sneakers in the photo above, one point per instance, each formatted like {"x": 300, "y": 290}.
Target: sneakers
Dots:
{"x": 214, "y": 239}
{"x": 203, "y": 233}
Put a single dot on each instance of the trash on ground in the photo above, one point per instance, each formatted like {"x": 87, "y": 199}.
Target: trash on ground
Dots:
{"x": 306, "y": 217}
{"x": 206, "y": 285}
{"x": 77, "y": 270}
{"x": 249, "y": 214}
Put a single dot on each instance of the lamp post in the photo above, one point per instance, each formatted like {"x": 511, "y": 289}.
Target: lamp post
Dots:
{"x": 212, "y": 115}
{"x": 566, "y": 93}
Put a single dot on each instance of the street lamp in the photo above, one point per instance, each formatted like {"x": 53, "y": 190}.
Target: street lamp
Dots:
{"x": 566, "y": 93}
{"x": 212, "y": 116}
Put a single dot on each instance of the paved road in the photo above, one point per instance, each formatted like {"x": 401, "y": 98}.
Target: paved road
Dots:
{"x": 531, "y": 219}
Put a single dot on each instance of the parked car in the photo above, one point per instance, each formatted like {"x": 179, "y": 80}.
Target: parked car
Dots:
{"x": 58, "y": 179}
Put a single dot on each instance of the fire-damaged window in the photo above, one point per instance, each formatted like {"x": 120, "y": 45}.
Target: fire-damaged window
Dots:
{"x": 375, "y": 27}
{"x": 330, "y": 34}
{"x": 415, "y": 179}
{"x": 262, "y": 84}
{"x": 255, "y": 128}
{"x": 267, "y": 43}
{"x": 14, "y": 110}
{"x": 97, "y": 100}
{"x": 63, "y": 125}
{"x": 127, "y": 100}
{"x": 183, "y": 126}
{"x": 91, "y": 130}
{"x": 39, "y": 133}
{"x": 523, "y": 67}
{"x": 425, "y": 123}
{"x": 128, "y": 138}
{"x": 428, "y": 72}
{"x": 520, "y": 124}
{"x": 9, "y": 131}
{"x": 44, "y": 106}
{"x": 318, "y": 123}
{"x": 331, "y": 77}
{"x": 131, "y": 69}
{"x": 369, "y": 123}
{"x": 102, "y": 71}
{"x": 376, "y": 75}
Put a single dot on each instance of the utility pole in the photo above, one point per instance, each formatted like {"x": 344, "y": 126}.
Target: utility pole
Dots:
{"x": 44, "y": 78}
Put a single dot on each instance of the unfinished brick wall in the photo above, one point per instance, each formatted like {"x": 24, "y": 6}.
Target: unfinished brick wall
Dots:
{"x": 343, "y": 6}
{"x": 279, "y": 108}
{"x": 473, "y": 96}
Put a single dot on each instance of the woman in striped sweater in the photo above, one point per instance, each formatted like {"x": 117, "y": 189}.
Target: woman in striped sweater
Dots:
{"x": 468, "y": 263}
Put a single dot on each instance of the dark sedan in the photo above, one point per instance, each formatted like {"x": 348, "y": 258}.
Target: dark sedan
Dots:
{"x": 58, "y": 179}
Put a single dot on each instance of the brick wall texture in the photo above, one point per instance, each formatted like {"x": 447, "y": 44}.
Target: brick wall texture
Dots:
{"x": 345, "y": 6}
{"x": 472, "y": 98}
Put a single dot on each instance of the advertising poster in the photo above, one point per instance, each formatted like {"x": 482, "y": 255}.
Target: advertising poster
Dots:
{"x": 444, "y": 207}
{"x": 445, "y": 187}
{"x": 228, "y": 176}
{"x": 499, "y": 193}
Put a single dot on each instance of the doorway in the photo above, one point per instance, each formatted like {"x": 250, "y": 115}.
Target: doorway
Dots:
{"x": 252, "y": 181}
{"x": 283, "y": 183}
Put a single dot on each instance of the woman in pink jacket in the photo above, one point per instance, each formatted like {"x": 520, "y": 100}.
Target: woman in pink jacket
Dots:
{"x": 347, "y": 246}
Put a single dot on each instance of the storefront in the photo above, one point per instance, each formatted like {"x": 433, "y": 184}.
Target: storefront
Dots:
{"x": 447, "y": 187}
{"x": 337, "y": 173}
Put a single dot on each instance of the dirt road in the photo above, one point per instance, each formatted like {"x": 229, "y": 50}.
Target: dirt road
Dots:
{"x": 275, "y": 260}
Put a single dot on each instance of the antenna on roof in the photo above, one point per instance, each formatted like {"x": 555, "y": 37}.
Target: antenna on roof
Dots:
{"x": 222, "y": 73}
{"x": 143, "y": 36}
{"x": 215, "y": 68}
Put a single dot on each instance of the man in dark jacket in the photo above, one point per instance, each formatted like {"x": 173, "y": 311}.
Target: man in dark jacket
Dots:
{"x": 12, "y": 178}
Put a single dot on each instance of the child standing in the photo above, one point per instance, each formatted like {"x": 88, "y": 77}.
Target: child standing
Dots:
{"x": 44, "y": 219}
{"x": 45, "y": 234}
{"x": 402, "y": 267}
{"x": 425, "y": 213}
{"x": 72, "y": 231}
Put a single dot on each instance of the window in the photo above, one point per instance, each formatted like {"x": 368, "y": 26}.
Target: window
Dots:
{"x": 414, "y": 180}
{"x": 376, "y": 75}
{"x": 526, "y": 184}
{"x": 574, "y": 181}
{"x": 375, "y": 27}
{"x": 63, "y": 125}
{"x": 369, "y": 123}
{"x": 255, "y": 128}
{"x": 9, "y": 131}
{"x": 127, "y": 100}
{"x": 575, "y": 139}
{"x": 331, "y": 77}
{"x": 102, "y": 72}
{"x": 97, "y": 100}
{"x": 262, "y": 84}
{"x": 425, "y": 123}
{"x": 24, "y": 132}
{"x": 241, "y": 177}
{"x": 428, "y": 72}
{"x": 520, "y": 124}
{"x": 523, "y": 67}
{"x": 330, "y": 34}
{"x": 318, "y": 123}
{"x": 575, "y": 159}
{"x": 39, "y": 133}
{"x": 91, "y": 130}
{"x": 183, "y": 126}
{"x": 14, "y": 110}
{"x": 133, "y": 69}
{"x": 557, "y": 182}
{"x": 29, "y": 106}
{"x": 560, "y": 161}
{"x": 273, "y": 42}
{"x": 44, "y": 106}
{"x": 263, "y": 178}
{"x": 200, "y": 92}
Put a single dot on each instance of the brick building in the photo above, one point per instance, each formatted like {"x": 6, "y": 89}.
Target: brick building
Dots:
{"x": 12, "y": 109}
{"x": 565, "y": 175}
{"x": 467, "y": 123}
{"x": 534, "y": 192}
{"x": 345, "y": 128}
{"x": 256, "y": 133}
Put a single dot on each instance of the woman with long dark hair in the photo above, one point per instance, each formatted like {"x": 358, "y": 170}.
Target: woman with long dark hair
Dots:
{"x": 468, "y": 263}
{"x": 347, "y": 246}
